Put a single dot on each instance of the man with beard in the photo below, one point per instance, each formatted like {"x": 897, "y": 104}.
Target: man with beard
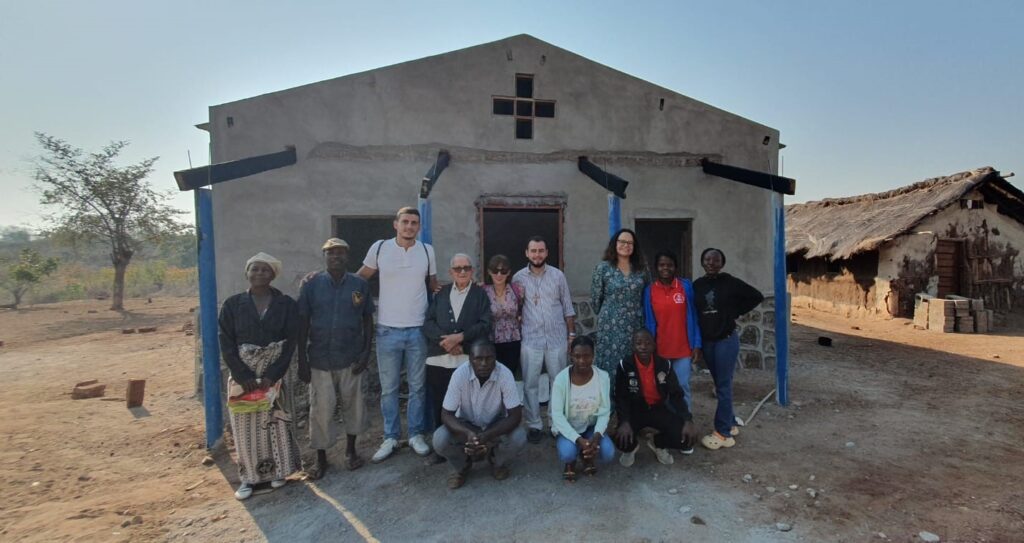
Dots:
{"x": 548, "y": 328}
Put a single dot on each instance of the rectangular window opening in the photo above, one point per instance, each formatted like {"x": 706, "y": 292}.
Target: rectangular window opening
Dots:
{"x": 524, "y": 86}
{"x": 524, "y": 129}
{"x": 360, "y": 233}
{"x": 544, "y": 109}
{"x": 524, "y": 108}
{"x": 504, "y": 106}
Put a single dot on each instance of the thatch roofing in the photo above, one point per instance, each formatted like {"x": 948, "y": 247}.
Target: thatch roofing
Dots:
{"x": 842, "y": 227}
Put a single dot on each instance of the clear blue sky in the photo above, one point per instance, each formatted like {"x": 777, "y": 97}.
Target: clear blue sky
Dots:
{"x": 868, "y": 95}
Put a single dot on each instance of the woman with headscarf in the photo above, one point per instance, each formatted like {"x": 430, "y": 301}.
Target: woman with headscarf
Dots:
{"x": 258, "y": 329}
{"x": 721, "y": 299}
{"x": 616, "y": 295}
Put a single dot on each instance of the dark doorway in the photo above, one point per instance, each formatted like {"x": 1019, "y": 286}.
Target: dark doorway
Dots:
{"x": 949, "y": 256}
{"x": 674, "y": 235}
{"x": 360, "y": 233}
{"x": 506, "y": 230}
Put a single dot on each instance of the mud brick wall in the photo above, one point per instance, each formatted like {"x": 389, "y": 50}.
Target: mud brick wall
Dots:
{"x": 757, "y": 332}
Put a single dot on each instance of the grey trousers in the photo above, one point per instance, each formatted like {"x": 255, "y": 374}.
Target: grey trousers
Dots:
{"x": 326, "y": 389}
{"x": 450, "y": 447}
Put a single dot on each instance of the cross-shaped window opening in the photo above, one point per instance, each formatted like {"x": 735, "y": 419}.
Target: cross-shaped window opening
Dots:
{"x": 524, "y": 107}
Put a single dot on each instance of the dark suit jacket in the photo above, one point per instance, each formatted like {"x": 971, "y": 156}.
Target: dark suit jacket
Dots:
{"x": 474, "y": 321}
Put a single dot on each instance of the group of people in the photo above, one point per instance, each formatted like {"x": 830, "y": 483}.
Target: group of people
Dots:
{"x": 463, "y": 347}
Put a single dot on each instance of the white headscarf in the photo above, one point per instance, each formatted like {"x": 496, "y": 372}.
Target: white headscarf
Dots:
{"x": 274, "y": 263}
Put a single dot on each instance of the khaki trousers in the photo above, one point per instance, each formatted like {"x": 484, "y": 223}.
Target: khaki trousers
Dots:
{"x": 326, "y": 388}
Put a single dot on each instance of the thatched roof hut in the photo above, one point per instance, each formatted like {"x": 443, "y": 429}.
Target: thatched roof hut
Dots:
{"x": 837, "y": 228}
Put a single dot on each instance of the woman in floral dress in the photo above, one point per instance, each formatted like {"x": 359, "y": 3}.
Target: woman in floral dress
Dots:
{"x": 616, "y": 295}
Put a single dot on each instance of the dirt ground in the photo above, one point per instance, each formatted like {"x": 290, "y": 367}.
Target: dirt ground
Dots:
{"x": 891, "y": 431}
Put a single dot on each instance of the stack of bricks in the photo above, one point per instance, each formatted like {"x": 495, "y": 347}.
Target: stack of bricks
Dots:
{"x": 941, "y": 315}
{"x": 982, "y": 318}
{"x": 952, "y": 314}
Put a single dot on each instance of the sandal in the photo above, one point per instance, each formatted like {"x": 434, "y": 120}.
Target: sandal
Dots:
{"x": 569, "y": 475}
{"x": 353, "y": 462}
{"x": 589, "y": 468}
{"x": 457, "y": 479}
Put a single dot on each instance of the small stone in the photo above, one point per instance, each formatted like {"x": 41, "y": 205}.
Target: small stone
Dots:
{"x": 817, "y": 503}
{"x": 929, "y": 537}
{"x": 137, "y": 519}
{"x": 684, "y": 509}
{"x": 84, "y": 478}
{"x": 700, "y": 522}
{"x": 757, "y": 496}
{"x": 208, "y": 460}
{"x": 786, "y": 494}
{"x": 126, "y": 523}
{"x": 812, "y": 493}
{"x": 37, "y": 483}
{"x": 783, "y": 527}
{"x": 811, "y": 478}
{"x": 748, "y": 478}
{"x": 881, "y": 535}
{"x": 186, "y": 523}
{"x": 794, "y": 487}
{"x": 770, "y": 488}
{"x": 673, "y": 491}
{"x": 850, "y": 444}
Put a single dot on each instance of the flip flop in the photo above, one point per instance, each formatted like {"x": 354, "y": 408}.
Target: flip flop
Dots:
{"x": 589, "y": 468}
{"x": 569, "y": 475}
{"x": 354, "y": 462}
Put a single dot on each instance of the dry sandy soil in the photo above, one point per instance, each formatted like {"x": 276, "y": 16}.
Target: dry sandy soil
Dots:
{"x": 892, "y": 429}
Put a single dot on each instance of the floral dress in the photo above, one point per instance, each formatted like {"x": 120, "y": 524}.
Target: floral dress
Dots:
{"x": 617, "y": 300}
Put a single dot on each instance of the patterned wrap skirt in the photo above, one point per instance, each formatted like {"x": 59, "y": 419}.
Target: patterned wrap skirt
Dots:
{"x": 263, "y": 440}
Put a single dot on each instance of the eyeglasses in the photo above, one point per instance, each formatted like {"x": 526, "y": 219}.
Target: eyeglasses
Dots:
{"x": 623, "y": 242}
{"x": 501, "y": 271}
{"x": 462, "y": 269}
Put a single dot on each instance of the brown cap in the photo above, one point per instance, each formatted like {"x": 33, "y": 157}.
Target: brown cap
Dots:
{"x": 334, "y": 242}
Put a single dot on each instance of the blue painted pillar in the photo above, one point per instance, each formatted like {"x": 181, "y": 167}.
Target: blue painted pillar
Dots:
{"x": 426, "y": 221}
{"x": 614, "y": 214}
{"x": 212, "y": 405}
{"x": 781, "y": 304}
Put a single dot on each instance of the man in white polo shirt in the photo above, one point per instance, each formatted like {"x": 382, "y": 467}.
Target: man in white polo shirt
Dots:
{"x": 407, "y": 270}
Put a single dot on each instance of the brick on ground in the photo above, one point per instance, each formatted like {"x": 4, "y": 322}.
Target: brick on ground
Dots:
{"x": 941, "y": 315}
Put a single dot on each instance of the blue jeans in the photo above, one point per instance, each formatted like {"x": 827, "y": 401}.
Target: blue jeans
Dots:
{"x": 568, "y": 451}
{"x": 398, "y": 348}
{"x": 721, "y": 358}
{"x": 681, "y": 367}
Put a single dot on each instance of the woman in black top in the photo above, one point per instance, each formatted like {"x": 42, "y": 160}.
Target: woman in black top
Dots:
{"x": 721, "y": 299}
{"x": 258, "y": 329}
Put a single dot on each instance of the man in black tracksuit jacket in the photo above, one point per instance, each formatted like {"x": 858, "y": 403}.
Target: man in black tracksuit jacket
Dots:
{"x": 639, "y": 405}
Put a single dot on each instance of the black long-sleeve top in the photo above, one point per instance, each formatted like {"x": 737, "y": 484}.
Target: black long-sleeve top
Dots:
{"x": 474, "y": 320}
{"x": 721, "y": 299}
{"x": 629, "y": 396}
{"x": 240, "y": 323}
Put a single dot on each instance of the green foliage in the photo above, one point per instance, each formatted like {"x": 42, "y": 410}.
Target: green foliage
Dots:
{"x": 19, "y": 276}
{"x": 98, "y": 201}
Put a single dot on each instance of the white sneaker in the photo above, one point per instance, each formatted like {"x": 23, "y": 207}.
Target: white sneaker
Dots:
{"x": 687, "y": 451}
{"x": 663, "y": 455}
{"x": 419, "y": 445}
{"x": 627, "y": 458}
{"x": 243, "y": 492}
{"x": 386, "y": 449}
{"x": 278, "y": 483}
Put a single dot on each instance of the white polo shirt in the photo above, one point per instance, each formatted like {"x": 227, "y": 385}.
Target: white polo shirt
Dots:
{"x": 403, "y": 273}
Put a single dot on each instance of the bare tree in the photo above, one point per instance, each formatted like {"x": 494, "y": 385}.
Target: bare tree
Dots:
{"x": 97, "y": 200}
